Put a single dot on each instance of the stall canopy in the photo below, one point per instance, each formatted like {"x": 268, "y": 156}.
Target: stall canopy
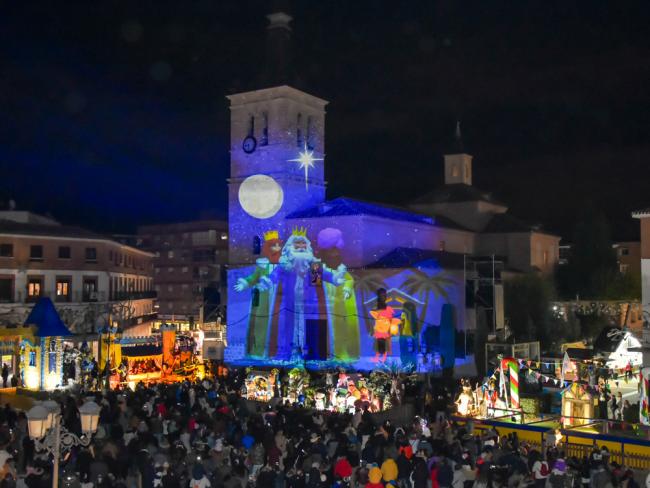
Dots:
{"x": 142, "y": 351}
{"x": 46, "y": 319}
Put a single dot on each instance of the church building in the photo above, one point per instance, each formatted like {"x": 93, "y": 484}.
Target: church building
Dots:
{"x": 346, "y": 282}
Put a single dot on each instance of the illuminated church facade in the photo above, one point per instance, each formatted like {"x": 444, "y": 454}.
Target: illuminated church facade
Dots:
{"x": 345, "y": 282}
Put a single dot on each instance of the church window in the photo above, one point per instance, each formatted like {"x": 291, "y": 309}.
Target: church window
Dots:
{"x": 310, "y": 135}
{"x": 299, "y": 141}
{"x": 264, "y": 141}
{"x": 257, "y": 245}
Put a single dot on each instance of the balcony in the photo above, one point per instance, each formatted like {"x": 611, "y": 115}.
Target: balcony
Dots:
{"x": 134, "y": 295}
{"x": 79, "y": 297}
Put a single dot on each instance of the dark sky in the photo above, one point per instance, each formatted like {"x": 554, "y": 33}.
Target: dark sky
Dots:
{"x": 113, "y": 113}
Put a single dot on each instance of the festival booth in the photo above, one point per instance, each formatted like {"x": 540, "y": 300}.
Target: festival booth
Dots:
{"x": 578, "y": 404}
{"x": 160, "y": 357}
{"x": 618, "y": 348}
{"x": 39, "y": 347}
{"x": 143, "y": 360}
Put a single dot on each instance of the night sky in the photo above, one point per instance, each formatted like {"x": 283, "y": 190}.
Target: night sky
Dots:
{"x": 114, "y": 113}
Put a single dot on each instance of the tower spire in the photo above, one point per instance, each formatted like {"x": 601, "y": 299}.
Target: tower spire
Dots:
{"x": 278, "y": 46}
{"x": 458, "y": 139}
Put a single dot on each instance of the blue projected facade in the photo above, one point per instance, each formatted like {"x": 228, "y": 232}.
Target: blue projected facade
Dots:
{"x": 312, "y": 280}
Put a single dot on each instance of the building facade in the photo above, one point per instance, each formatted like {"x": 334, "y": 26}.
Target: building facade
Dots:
{"x": 92, "y": 279}
{"x": 189, "y": 262}
{"x": 348, "y": 281}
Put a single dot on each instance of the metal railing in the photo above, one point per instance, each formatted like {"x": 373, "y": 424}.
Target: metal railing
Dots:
{"x": 79, "y": 296}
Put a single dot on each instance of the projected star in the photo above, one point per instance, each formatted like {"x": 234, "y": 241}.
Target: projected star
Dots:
{"x": 307, "y": 161}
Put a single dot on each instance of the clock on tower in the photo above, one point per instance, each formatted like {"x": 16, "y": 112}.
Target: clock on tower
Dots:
{"x": 284, "y": 174}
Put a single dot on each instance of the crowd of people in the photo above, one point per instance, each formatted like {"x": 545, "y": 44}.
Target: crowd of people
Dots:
{"x": 204, "y": 434}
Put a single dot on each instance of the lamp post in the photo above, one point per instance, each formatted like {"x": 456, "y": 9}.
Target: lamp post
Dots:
{"x": 45, "y": 429}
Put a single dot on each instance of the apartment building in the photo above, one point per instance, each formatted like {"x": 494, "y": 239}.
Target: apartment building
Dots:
{"x": 188, "y": 267}
{"x": 91, "y": 278}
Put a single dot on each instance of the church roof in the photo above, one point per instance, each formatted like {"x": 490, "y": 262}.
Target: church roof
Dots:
{"x": 348, "y": 206}
{"x": 45, "y": 317}
{"x": 407, "y": 257}
{"x": 455, "y": 193}
{"x": 30, "y": 229}
{"x": 504, "y": 222}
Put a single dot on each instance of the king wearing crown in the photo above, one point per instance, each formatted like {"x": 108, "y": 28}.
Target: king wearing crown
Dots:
{"x": 257, "y": 338}
{"x": 297, "y": 298}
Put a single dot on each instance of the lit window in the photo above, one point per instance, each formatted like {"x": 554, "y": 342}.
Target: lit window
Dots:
{"x": 170, "y": 254}
{"x": 34, "y": 288}
{"x": 157, "y": 270}
{"x": 62, "y": 288}
{"x": 184, "y": 269}
{"x": 170, "y": 270}
{"x": 32, "y": 358}
{"x": 224, "y": 236}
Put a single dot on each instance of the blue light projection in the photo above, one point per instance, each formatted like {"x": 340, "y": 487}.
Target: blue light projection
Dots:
{"x": 300, "y": 302}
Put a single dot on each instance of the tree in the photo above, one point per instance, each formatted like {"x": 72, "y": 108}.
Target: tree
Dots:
{"x": 527, "y": 306}
{"x": 592, "y": 266}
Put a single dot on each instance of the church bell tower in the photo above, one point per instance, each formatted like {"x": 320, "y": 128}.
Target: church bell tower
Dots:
{"x": 277, "y": 152}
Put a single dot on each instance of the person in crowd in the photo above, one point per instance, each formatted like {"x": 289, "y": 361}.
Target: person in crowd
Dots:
{"x": 204, "y": 434}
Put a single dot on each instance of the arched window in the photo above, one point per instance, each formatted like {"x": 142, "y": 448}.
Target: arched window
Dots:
{"x": 310, "y": 135}
{"x": 299, "y": 140}
{"x": 257, "y": 245}
{"x": 264, "y": 141}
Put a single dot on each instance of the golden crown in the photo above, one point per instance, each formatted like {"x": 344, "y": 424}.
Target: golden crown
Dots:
{"x": 299, "y": 231}
{"x": 271, "y": 235}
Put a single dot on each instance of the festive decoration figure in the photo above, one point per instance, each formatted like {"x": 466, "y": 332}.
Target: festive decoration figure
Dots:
{"x": 256, "y": 344}
{"x": 513, "y": 366}
{"x": 465, "y": 401}
{"x": 644, "y": 400}
{"x": 295, "y": 297}
{"x": 385, "y": 326}
{"x": 341, "y": 300}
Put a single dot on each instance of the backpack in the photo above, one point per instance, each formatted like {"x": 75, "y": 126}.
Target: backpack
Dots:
{"x": 544, "y": 471}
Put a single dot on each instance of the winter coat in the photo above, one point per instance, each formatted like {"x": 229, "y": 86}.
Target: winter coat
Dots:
{"x": 389, "y": 470}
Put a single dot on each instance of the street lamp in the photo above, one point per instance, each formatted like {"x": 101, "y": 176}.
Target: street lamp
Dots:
{"x": 45, "y": 429}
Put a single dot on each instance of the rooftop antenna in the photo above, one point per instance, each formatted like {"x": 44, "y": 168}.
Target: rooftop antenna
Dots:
{"x": 458, "y": 136}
